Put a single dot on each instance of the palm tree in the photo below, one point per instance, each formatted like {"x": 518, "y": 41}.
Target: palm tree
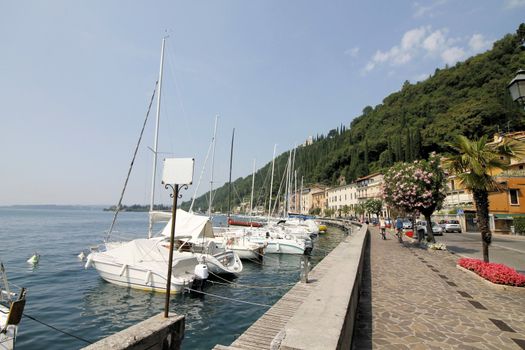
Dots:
{"x": 474, "y": 163}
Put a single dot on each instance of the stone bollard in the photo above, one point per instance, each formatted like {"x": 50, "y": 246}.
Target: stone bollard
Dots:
{"x": 305, "y": 268}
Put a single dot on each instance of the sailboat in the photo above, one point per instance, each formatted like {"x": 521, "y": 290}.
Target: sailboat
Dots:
{"x": 143, "y": 263}
{"x": 11, "y": 311}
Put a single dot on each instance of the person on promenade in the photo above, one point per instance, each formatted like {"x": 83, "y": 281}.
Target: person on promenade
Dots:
{"x": 399, "y": 229}
{"x": 382, "y": 227}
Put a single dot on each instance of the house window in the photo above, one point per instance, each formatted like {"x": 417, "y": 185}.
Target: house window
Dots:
{"x": 513, "y": 194}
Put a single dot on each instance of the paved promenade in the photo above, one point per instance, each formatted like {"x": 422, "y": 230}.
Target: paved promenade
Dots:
{"x": 418, "y": 299}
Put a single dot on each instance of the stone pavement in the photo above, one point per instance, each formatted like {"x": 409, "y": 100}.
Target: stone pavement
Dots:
{"x": 417, "y": 299}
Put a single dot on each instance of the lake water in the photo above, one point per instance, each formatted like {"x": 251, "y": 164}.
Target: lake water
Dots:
{"x": 63, "y": 294}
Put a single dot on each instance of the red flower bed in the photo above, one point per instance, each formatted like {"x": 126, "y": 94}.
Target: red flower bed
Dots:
{"x": 495, "y": 273}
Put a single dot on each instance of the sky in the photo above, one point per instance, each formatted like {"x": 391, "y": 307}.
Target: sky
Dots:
{"x": 76, "y": 78}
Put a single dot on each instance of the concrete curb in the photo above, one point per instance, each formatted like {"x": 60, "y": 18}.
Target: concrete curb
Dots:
{"x": 493, "y": 285}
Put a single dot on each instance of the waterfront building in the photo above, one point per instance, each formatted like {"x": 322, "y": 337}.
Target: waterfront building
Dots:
{"x": 302, "y": 202}
{"x": 342, "y": 199}
{"x": 504, "y": 205}
{"x": 319, "y": 200}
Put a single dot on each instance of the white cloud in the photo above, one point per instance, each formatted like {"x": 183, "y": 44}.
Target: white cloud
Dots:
{"x": 413, "y": 38}
{"x": 428, "y": 10}
{"x": 511, "y": 4}
{"x": 369, "y": 66}
{"x": 478, "y": 43}
{"x": 435, "y": 41}
{"x": 353, "y": 52}
{"x": 453, "y": 54}
{"x": 423, "y": 43}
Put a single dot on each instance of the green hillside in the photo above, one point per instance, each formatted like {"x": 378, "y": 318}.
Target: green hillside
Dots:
{"x": 470, "y": 98}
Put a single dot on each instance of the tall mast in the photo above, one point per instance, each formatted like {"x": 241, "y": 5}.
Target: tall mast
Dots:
{"x": 295, "y": 196}
{"x": 212, "y": 165}
{"x": 230, "y": 181}
{"x": 271, "y": 184}
{"x": 301, "y": 196}
{"x": 288, "y": 185}
{"x": 253, "y": 184}
{"x": 156, "y": 141}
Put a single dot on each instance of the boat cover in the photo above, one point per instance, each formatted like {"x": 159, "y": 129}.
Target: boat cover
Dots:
{"x": 188, "y": 224}
{"x": 149, "y": 254}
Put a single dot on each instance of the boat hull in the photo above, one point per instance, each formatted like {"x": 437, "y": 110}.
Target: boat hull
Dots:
{"x": 225, "y": 263}
{"x": 128, "y": 276}
{"x": 7, "y": 339}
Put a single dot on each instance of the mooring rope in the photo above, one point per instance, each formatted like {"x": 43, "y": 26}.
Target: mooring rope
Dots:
{"x": 247, "y": 285}
{"x": 117, "y": 209}
{"x": 58, "y": 330}
{"x": 226, "y": 298}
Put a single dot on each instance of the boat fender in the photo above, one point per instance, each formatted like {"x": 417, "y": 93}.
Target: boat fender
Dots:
{"x": 148, "y": 277}
{"x": 124, "y": 267}
{"x": 201, "y": 271}
{"x": 288, "y": 237}
{"x": 278, "y": 246}
{"x": 88, "y": 262}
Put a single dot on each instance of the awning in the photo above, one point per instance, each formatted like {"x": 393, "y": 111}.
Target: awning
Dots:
{"x": 508, "y": 216}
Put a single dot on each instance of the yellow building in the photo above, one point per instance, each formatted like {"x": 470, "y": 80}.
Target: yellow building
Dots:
{"x": 510, "y": 201}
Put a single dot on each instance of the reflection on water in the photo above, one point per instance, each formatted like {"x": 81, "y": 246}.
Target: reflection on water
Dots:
{"x": 63, "y": 294}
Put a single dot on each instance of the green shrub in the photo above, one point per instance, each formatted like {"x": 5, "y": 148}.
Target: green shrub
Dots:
{"x": 519, "y": 225}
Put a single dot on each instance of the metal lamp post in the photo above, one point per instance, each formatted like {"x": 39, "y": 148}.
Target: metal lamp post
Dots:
{"x": 177, "y": 175}
{"x": 517, "y": 87}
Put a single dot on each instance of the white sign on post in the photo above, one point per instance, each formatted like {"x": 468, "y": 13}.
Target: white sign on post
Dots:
{"x": 178, "y": 171}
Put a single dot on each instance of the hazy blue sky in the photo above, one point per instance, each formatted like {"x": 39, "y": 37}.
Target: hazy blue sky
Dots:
{"x": 76, "y": 77}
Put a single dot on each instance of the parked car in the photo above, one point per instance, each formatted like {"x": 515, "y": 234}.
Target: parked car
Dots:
{"x": 452, "y": 226}
{"x": 407, "y": 224}
{"x": 388, "y": 223}
{"x": 436, "y": 229}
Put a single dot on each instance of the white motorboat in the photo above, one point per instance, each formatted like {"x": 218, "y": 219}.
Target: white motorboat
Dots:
{"x": 274, "y": 240}
{"x": 11, "y": 311}
{"x": 235, "y": 239}
{"x": 194, "y": 234}
{"x": 143, "y": 264}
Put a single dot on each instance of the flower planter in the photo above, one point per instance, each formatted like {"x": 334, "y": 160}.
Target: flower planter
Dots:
{"x": 497, "y": 275}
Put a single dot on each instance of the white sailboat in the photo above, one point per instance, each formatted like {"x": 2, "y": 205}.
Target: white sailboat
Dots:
{"x": 143, "y": 263}
{"x": 11, "y": 311}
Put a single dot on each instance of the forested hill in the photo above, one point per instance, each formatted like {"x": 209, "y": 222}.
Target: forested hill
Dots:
{"x": 470, "y": 98}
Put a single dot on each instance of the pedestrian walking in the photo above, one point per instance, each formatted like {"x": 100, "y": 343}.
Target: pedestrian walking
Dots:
{"x": 382, "y": 227}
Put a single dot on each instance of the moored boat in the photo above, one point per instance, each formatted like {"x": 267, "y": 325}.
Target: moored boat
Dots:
{"x": 11, "y": 310}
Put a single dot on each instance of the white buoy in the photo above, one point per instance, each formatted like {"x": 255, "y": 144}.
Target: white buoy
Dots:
{"x": 34, "y": 259}
{"x": 81, "y": 256}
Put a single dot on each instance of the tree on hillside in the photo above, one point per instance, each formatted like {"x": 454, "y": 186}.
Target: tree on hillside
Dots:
{"x": 416, "y": 187}
{"x": 474, "y": 163}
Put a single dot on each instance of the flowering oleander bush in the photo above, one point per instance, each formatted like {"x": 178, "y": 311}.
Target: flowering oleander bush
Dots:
{"x": 417, "y": 186}
{"x": 495, "y": 273}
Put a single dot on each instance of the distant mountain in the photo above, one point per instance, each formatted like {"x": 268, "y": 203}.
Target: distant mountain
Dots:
{"x": 470, "y": 98}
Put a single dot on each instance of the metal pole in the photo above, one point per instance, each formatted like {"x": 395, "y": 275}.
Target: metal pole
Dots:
{"x": 156, "y": 143}
{"x": 170, "y": 260}
{"x": 230, "y": 181}
{"x": 212, "y": 165}
{"x": 253, "y": 183}
{"x": 271, "y": 184}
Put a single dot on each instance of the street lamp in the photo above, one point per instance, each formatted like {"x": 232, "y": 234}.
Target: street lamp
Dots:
{"x": 517, "y": 87}
{"x": 177, "y": 171}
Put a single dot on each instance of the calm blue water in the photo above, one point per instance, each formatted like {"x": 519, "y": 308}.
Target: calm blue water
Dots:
{"x": 64, "y": 295}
